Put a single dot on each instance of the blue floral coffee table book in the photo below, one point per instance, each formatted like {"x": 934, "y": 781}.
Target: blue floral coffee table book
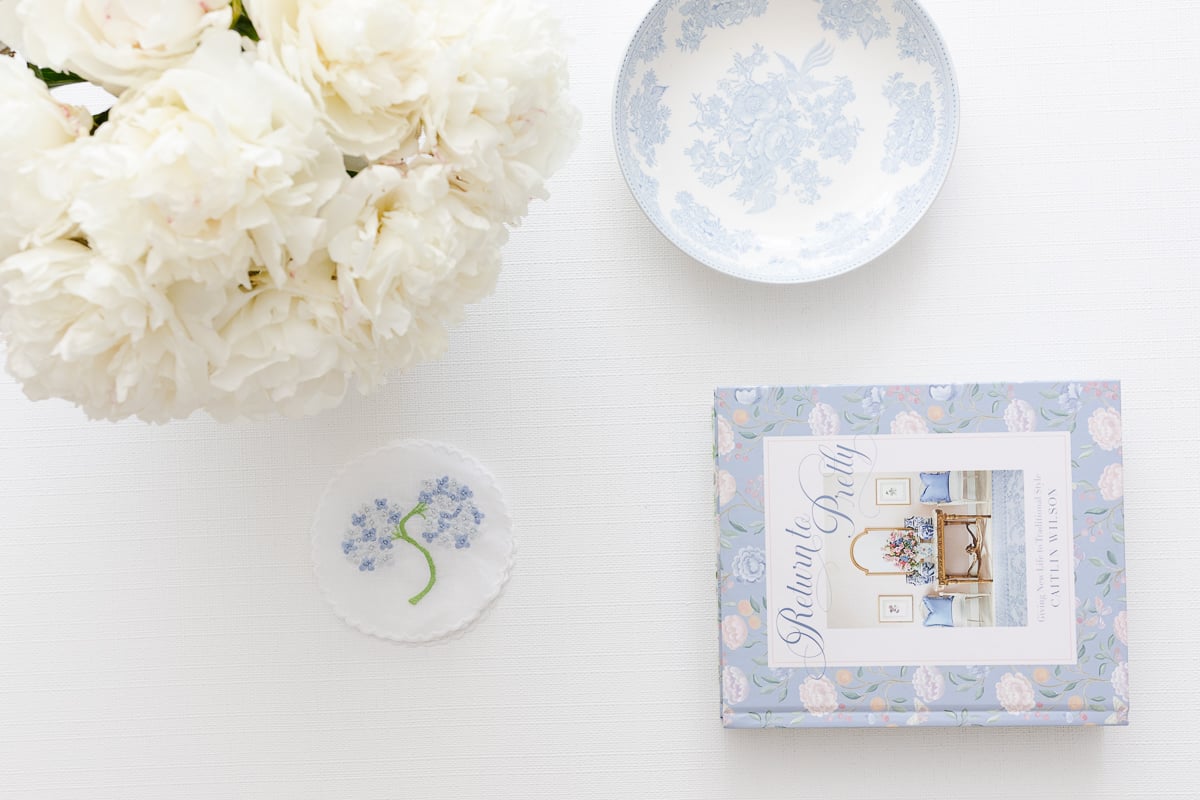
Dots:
{"x": 921, "y": 555}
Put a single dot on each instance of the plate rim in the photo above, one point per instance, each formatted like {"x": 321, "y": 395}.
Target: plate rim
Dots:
{"x": 620, "y": 146}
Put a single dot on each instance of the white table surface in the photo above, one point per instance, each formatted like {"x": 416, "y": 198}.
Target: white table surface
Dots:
{"x": 161, "y": 635}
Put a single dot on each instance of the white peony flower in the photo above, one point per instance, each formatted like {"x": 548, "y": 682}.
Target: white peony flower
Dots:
{"x": 1015, "y": 693}
{"x": 285, "y": 349}
{"x": 477, "y": 84}
{"x": 376, "y": 69}
{"x": 1105, "y": 427}
{"x": 909, "y": 422}
{"x": 410, "y": 253}
{"x": 216, "y": 169}
{"x": 99, "y": 334}
{"x": 34, "y": 133}
{"x": 823, "y": 420}
{"x": 114, "y": 43}
{"x": 819, "y": 696}
{"x": 1112, "y": 482}
{"x": 103, "y": 335}
{"x": 1020, "y": 417}
{"x": 205, "y": 248}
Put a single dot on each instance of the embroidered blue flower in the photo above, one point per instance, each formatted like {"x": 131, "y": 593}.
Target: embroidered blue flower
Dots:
{"x": 447, "y": 515}
{"x": 451, "y": 518}
{"x": 367, "y": 542}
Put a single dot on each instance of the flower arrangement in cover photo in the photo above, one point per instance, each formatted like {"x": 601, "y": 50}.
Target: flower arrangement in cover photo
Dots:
{"x": 287, "y": 198}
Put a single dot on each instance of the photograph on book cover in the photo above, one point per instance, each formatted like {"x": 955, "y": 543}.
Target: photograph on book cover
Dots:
{"x": 984, "y": 546}
{"x": 980, "y": 548}
{"x": 923, "y": 555}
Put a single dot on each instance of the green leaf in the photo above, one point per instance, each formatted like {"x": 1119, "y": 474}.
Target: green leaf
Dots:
{"x": 53, "y": 78}
{"x": 740, "y": 529}
{"x": 1095, "y": 512}
{"x": 1047, "y": 693}
{"x": 1103, "y": 577}
{"x": 245, "y": 27}
{"x": 851, "y": 695}
{"x": 1112, "y": 558}
{"x": 748, "y": 435}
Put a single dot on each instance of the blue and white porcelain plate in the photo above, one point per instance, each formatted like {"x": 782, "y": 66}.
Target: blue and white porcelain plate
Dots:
{"x": 785, "y": 141}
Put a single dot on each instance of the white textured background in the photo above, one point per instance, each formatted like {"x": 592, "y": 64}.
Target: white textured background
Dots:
{"x": 161, "y": 635}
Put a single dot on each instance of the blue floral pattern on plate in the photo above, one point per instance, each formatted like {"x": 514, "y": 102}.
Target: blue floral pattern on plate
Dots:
{"x": 785, "y": 142}
{"x": 848, "y": 18}
{"x": 700, "y": 15}
{"x": 762, "y": 132}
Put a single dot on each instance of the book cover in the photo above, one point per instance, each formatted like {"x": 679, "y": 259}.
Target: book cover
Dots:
{"x": 921, "y": 555}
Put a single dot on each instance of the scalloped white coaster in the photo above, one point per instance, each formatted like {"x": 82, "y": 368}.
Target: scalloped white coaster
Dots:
{"x": 412, "y": 542}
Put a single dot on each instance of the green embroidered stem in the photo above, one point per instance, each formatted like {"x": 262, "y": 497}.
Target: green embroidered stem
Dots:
{"x": 402, "y": 534}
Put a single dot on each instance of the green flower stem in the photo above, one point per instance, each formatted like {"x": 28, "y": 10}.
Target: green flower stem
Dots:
{"x": 402, "y": 534}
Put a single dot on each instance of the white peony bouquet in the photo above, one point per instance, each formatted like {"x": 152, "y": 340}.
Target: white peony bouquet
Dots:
{"x": 288, "y": 197}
